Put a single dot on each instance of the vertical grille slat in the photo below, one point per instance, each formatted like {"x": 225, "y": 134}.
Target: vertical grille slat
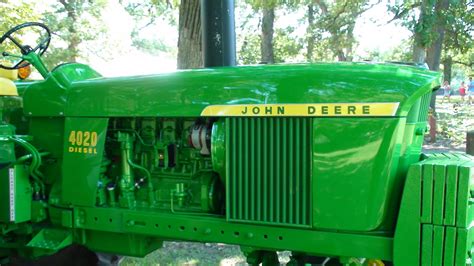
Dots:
{"x": 277, "y": 166}
{"x": 297, "y": 169}
{"x": 284, "y": 172}
{"x": 424, "y": 107}
{"x": 290, "y": 175}
{"x": 304, "y": 195}
{"x": 269, "y": 175}
{"x": 271, "y": 172}
{"x": 239, "y": 190}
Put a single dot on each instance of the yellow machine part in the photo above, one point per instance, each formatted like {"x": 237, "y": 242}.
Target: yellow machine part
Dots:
{"x": 375, "y": 263}
{"x": 9, "y": 74}
{"x": 7, "y": 87}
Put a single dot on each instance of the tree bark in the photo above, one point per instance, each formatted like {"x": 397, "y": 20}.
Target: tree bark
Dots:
{"x": 189, "y": 40}
{"x": 341, "y": 56}
{"x": 433, "y": 55}
{"x": 447, "y": 68}
{"x": 433, "y": 52}
{"x": 419, "y": 47}
{"x": 266, "y": 46}
{"x": 309, "y": 31}
{"x": 350, "y": 47}
{"x": 73, "y": 40}
{"x": 335, "y": 45}
{"x": 419, "y": 53}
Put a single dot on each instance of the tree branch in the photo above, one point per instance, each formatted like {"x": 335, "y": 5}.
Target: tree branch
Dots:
{"x": 468, "y": 64}
{"x": 402, "y": 13}
{"x": 322, "y": 6}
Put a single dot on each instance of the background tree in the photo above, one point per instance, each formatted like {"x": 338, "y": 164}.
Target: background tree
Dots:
{"x": 145, "y": 14}
{"x": 189, "y": 42}
{"x": 13, "y": 13}
{"x": 75, "y": 22}
{"x": 435, "y": 18}
{"x": 149, "y": 13}
{"x": 267, "y": 10}
{"x": 258, "y": 39}
{"x": 336, "y": 20}
{"x": 429, "y": 28}
{"x": 458, "y": 46}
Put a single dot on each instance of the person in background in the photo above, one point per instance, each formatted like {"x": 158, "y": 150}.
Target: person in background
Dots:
{"x": 462, "y": 91}
{"x": 470, "y": 90}
{"x": 447, "y": 91}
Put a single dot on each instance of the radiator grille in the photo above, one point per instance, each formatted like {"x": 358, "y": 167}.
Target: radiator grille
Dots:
{"x": 269, "y": 170}
{"x": 424, "y": 107}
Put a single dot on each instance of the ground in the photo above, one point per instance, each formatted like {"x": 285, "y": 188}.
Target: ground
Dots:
{"x": 454, "y": 120}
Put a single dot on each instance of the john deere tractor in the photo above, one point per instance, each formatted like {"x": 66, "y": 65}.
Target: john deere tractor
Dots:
{"x": 323, "y": 160}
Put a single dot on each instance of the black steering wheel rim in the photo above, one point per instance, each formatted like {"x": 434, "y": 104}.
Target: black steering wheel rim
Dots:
{"x": 40, "y": 48}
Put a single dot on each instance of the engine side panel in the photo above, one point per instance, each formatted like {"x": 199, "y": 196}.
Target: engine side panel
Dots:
{"x": 84, "y": 140}
{"x": 354, "y": 170}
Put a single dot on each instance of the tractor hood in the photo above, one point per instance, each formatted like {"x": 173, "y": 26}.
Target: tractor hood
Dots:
{"x": 190, "y": 92}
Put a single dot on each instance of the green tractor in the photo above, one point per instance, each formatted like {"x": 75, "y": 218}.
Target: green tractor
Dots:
{"x": 323, "y": 160}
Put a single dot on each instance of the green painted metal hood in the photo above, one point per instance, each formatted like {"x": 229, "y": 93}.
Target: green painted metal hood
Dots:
{"x": 188, "y": 92}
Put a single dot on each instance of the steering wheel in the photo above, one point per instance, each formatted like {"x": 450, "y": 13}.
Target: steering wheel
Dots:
{"x": 39, "y": 49}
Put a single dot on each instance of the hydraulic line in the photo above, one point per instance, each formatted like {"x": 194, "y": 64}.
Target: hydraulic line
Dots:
{"x": 127, "y": 181}
{"x": 25, "y": 158}
{"x": 35, "y": 163}
{"x": 148, "y": 176}
{"x": 127, "y": 175}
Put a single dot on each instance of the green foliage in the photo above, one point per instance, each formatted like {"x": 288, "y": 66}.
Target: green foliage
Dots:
{"x": 285, "y": 46}
{"x": 405, "y": 12}
{"x": 145, "y": 14}
{"x": 16, "y": 12}
{"x": 333, "y": 28}
{"x": 74, "y": 22}
{"x": 460, "y": 26}
{"x": 153, "y": 47}
{"x": 259, "y": 4}
{"x": 420, "y": 16}
{"x": 401, "y": 53}
{"x": 249, "y": 53}
{"x": 13, "y": 13}
{"x": 459, "y": 36}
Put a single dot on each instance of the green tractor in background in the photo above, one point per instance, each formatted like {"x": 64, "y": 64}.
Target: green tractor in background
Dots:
{"x": 323, "y": 160}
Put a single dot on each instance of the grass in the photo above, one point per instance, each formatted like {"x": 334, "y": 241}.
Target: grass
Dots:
{"x": 186, "y": 253}
{"x": 454, "y": 119}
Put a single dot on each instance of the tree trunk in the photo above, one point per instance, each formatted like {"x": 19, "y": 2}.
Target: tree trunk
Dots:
{"x": 350, "y": 47}
{"x": 189, "y": 40}
{"x": 447, "y": 68}
{"x": 433, "y": 55}
{"x": 310, "y": 34}
{"x": 419, "y": 53}
{"x": 419, "y": 46}
{"x": 341, "y": 56}
{"x": 74, "y": 40}
{"x": 266, "y": 46}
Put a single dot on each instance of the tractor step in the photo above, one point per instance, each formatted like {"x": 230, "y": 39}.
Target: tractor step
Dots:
{"x": 51, "y": 239}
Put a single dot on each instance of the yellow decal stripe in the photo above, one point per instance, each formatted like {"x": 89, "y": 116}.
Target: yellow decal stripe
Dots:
{"x": 319, "y": 109}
